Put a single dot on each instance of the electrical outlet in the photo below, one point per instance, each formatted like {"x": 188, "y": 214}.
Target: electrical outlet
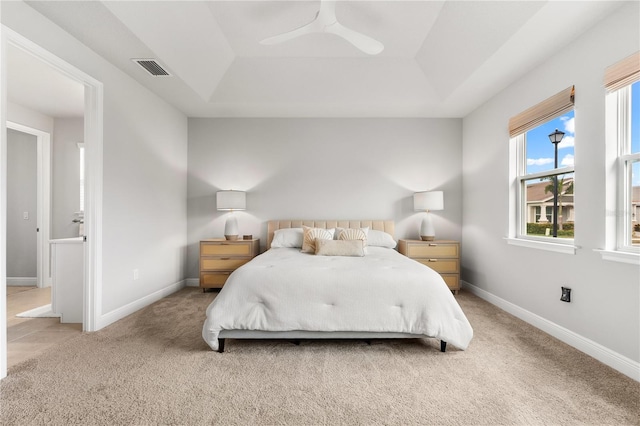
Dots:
{"x": 25, "y": 215}
{"x": 136, "y": 274}
{"x": 566, "y": 294}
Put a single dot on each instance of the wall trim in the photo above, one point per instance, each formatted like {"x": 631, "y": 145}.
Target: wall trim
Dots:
{"x": 193, "y": 282}
{"x": 619, "y": 362}
{"x": 22, "y": 281}
{"x": 136, "y": 305}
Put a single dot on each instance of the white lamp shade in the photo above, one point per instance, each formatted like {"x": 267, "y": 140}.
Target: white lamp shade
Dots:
{"x": 231, "y": 200}
{"x": 424, "y": 201}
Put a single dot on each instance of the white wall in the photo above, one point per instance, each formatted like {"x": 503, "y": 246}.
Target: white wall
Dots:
{"x": 21, "y": 198}
{"x": 144, "y": 176}
{"x": 28, "y": 117}
{"x": 322, "y": 169}
{"x": 65, "y": 176}
{"x": 605, "y": 304}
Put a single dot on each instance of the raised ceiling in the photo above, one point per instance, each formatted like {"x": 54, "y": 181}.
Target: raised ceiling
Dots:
{"x": 441, "y": 58}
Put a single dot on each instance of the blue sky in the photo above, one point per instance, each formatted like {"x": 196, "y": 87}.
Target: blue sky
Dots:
{"x": 635, "y": 117}
{"x": 540, "y": 149}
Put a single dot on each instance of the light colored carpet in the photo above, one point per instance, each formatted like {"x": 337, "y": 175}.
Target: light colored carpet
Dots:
{"x": 154, "y": 368}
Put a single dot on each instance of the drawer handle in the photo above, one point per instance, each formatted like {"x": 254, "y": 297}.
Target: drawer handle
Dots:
{"x": 225, "y": 258}
{"x": 433, "y": 260}
{"x": 433, "y": 245}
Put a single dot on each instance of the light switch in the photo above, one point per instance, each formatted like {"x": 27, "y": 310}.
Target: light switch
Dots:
{"x": 25, "y": 215}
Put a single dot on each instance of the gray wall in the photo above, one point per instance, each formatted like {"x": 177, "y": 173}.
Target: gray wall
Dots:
{"x": 605, "y": 306}
{"x": 21, "y": 197}
{"x": 65, "y": 179}
{"x": 322, "y": 169}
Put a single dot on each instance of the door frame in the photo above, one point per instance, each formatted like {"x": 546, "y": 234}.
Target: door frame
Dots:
{"x": 43, "y": 208}
{"x": 93, "y": 138}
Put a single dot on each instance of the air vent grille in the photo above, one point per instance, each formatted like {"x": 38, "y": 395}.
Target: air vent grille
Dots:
{"x": 153, "y": 67}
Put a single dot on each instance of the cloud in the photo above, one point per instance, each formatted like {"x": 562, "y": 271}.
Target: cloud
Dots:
{"x": 567, "y": 160}
{"x": 539, "y": 161}
{"x": 567, "y": 142}
{"x": 569, "y": 124}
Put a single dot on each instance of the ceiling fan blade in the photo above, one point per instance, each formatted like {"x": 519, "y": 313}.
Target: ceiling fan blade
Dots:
{"x": 305, "y": 29}
{"x": 359, "y": 40}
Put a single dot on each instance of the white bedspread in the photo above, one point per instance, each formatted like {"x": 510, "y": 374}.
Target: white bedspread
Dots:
{"x": 384, "y": 291}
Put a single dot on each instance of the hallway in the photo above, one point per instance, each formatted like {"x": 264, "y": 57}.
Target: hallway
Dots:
{"x": 28, "y": 337}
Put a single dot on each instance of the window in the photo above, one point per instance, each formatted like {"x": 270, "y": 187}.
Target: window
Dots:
{"x": 81, "y": 148}
{"x": 623, "y": 117}
{"x": 543, "y": 179}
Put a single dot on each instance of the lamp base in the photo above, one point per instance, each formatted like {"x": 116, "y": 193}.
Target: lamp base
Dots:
{"x": 231, "y": 228}
{"x": 427, "y": 237}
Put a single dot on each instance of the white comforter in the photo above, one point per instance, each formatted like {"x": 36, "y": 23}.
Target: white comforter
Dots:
{"x": 384, "y": 291}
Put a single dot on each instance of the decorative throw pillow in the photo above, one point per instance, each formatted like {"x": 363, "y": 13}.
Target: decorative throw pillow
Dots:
{"x": 287, "y": 237}
{"x": 353, "y": 234}
{"x": 311, "y": 234}
{"x": 339, "y": 247}
{"x": 380, "y": 239}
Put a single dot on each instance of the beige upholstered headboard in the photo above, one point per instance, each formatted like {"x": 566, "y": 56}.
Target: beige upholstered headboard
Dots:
{"x": 379, "y": 225}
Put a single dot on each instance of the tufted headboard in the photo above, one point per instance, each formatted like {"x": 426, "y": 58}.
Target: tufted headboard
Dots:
{"x": 379, "y": 225}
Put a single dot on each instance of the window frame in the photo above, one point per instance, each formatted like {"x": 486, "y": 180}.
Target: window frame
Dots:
{"x": 521, "y": 177}
{"x": 624, "y": 163}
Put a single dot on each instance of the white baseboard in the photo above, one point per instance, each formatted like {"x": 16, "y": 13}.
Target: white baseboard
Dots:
{"x": 128, "y": 309}
{"x": 619, "y": 362}
{"x": 22, "y": 281}
{"x": 193, "y": 282}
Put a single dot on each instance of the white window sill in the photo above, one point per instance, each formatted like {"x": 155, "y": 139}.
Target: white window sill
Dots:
{"x": 620, "y": 256}
{"x": 543, "y": 245}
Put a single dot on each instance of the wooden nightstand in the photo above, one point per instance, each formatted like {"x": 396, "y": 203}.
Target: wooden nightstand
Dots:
{"x": 220, "y": 257}
{"x": 440, "y": 255}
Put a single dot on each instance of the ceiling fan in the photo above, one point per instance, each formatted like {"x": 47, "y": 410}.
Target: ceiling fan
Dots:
{"x": 327, "y": 22}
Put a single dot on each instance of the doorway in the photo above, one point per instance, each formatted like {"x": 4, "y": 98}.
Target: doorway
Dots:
{"x": 29, "y": 223}
{"x": 92, "y": 132}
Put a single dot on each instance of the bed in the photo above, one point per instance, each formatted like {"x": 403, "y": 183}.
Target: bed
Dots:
{"x": 287, "y": 294}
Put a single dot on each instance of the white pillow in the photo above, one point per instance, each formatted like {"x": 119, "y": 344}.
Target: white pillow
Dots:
{"x": 287, "y": 237}
{"x": 310, "y": 235}
{"x": 380, "y": 239}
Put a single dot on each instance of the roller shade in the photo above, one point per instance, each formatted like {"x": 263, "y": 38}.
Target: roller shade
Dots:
{"x": 546, "y": 110}
{"x": 623, "y": 73}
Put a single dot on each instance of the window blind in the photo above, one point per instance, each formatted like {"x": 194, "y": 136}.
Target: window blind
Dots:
{"x": 546, "y": 110}
{"x": 623, "y": 73}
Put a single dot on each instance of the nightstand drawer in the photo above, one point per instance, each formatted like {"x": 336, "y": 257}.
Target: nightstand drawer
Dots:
{"x": 432, "y": 250}
{"x": 213, "y": 279}
{"x": 442, "y": 266}
{"x": 222, "y": 249}
{"x": 222, "y": 264}
{"x": 453, "y": 281}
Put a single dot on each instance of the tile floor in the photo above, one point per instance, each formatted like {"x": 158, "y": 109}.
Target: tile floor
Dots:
{"x": 28, "y": 337}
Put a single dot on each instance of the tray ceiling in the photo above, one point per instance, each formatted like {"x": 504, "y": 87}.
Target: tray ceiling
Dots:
{"x": 441, "y": 58}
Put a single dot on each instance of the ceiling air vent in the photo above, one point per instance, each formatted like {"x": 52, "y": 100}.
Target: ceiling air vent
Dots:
{"x": 153, "y": 67}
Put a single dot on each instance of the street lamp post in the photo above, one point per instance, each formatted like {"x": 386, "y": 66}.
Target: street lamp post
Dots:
{"x": 555, "y": 139}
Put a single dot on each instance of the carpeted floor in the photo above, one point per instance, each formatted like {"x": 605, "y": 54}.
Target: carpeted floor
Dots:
{"x": 154, "y": 368}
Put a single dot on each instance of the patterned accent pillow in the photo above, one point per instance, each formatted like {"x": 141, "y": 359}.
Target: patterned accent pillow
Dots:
{"x": 310, "y": 235}
{"x": 353, "y": 234}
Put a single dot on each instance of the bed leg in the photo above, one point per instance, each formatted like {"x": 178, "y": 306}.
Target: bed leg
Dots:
{"x": 368, "y": 342}
{"x": 220, "y": 345}
{"x": 443, "y": 346}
